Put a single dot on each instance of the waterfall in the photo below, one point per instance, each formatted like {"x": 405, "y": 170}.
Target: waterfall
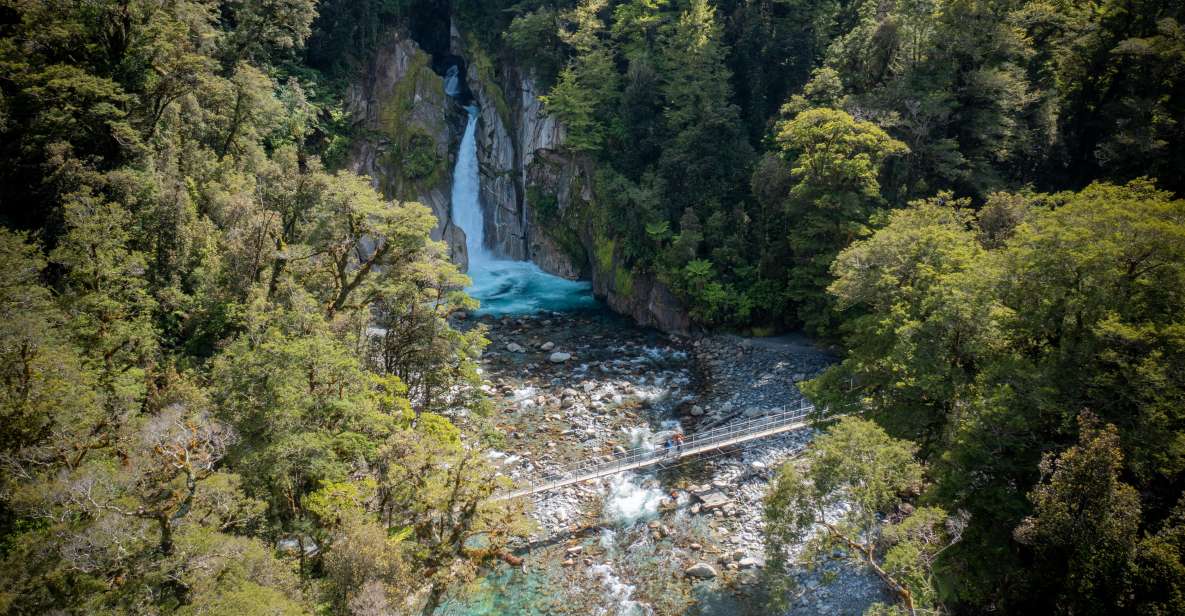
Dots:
{"x": 452, "y": 81}
{"x": 467, "y": 212}
{"x": 502, "y": 286}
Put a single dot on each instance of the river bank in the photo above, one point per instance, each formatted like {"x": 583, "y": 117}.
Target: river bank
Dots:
{"x": 575, "y": 387}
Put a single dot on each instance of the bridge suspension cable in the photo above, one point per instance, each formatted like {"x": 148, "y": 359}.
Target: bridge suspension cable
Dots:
{"x": 785, "y": 420}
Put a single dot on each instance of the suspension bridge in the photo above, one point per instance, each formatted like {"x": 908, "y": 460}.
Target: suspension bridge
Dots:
{"x": 784, "y": 420}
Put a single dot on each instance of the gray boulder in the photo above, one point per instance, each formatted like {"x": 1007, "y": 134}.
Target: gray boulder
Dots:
{"x": 702, "y": 571}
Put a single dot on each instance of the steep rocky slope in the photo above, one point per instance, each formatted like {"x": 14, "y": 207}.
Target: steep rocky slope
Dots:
{"x": 406, "y": 129}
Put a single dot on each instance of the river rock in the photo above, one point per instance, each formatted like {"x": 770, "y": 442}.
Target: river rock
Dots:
{"x": 697, "y": 410}
{"x": 750, "y": 562}
{"x": 514, "y": 347}
{"x": 712, "y": 499}
{"x": 703, "y": 571}
{"x": 292, "y": 546}
{"x": 547, "y": 346}
{"x": 559, "y": 357}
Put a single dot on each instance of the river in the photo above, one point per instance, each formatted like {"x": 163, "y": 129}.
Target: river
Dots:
{"x": 616, "y": 386}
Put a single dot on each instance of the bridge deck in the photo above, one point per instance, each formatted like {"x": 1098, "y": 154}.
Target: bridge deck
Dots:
{"x": 762, "y": 427}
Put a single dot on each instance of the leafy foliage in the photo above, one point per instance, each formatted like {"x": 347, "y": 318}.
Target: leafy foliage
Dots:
{"x": 983, "y": 338}
{"x": 853, "y": 478}
{"x": 186, "y": 375}
{"x": 957, "y": 190}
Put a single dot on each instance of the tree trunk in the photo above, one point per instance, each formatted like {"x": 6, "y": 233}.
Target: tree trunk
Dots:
{"x": 166, "y": 533}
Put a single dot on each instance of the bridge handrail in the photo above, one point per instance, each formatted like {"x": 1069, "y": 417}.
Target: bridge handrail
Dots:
{"x": 704, "y": 439}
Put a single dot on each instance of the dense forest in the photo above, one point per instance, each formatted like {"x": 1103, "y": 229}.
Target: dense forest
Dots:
{"x": 184, "y": 378}
{"x": 978, "y": 201}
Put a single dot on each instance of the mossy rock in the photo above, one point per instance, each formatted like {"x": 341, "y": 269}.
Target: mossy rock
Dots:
{"x": 410, "y": 156}
{"x": 603, "y": 248}
{"x": 416, "y": 156}
{"x": 483, "y": 66}
{"x": 560, "y": 228}
{"x": 623, "y": 282}
{"x": 762, "y": 331}
{"x": 545, "y": 204}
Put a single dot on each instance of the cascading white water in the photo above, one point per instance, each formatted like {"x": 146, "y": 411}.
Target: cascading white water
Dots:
{"x": 467, "y": 212}
{"x": 629, "y": 501}
{"x": 452, "y": 81}
{"x": 502, "y": 286}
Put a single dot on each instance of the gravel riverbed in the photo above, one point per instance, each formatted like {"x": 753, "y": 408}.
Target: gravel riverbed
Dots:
{"x": 685, "y": 539}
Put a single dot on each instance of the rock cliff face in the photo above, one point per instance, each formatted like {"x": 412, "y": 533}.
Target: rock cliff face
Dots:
{"x": 558, "y": 201}
{"x": 497, "y": 153}
{"x": 407, "y": 129}
{"x": 537, "y": 198}
{"x": 506, "y": 226}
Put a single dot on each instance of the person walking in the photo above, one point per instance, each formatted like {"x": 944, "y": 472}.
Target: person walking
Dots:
{"x": 679, "y": 442}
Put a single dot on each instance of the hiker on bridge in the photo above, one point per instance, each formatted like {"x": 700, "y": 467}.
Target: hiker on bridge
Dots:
{"x": 678, "y": 438}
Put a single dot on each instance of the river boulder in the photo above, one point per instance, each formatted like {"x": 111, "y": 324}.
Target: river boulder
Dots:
{"x": 702, "y": 571}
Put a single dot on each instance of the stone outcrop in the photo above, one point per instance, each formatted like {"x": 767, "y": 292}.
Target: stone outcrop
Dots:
{"x": 558, "y": 187}
{"x": 644, "y": 298}
{"x": 407, "y": 132}
{"x": 556, "y": 194}
{"x": 506, "y": 225}
{"x": 540, "y": 202}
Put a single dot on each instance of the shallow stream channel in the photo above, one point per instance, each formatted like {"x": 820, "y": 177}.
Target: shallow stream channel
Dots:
{"x": 579, "y": 385}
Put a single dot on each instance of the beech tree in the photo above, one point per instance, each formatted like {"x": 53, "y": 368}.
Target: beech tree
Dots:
{"x": 584, "y": 94}
{"x": 835, "y": 160}
{"x": 848, "y": 494}
{"x": 1084, "y": 527}
{"x": 982, "y": 336}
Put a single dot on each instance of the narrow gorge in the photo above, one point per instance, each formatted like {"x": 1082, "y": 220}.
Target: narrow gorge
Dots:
{"x": 534, "y": 199}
